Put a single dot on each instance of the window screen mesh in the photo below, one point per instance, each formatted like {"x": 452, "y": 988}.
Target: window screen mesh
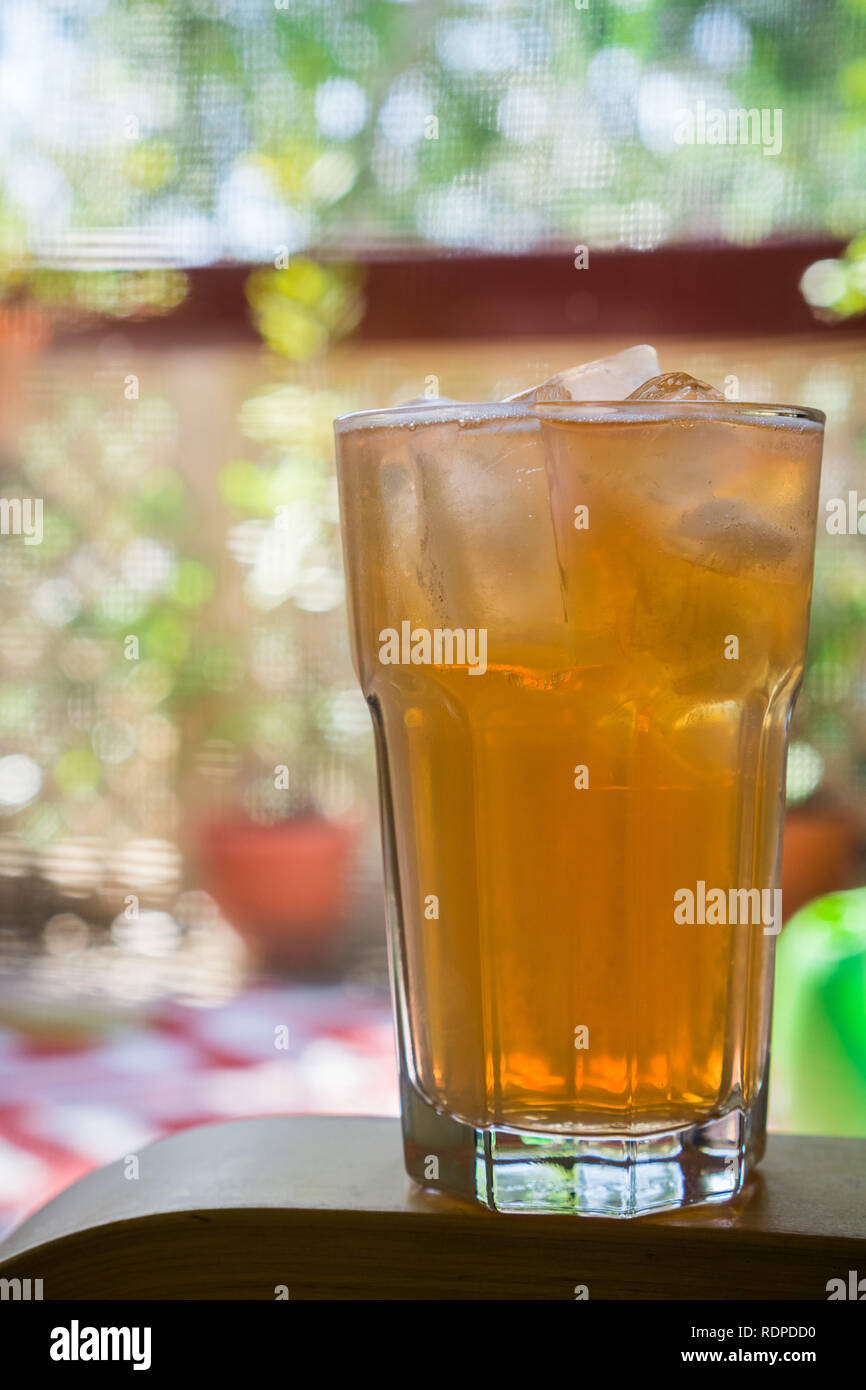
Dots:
{"x": 205, "y": 129}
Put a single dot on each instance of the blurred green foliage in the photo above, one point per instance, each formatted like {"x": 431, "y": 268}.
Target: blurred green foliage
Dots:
{"x": 302, "y": 308}
{"x": 205, "y": 129}
{"x": 114, "y": 596}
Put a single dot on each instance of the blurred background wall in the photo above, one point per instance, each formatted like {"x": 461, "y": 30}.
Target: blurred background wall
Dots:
{"x": 222, "y": 223}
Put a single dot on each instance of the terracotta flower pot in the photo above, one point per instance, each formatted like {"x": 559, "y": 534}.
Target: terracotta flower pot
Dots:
{"x": 818, "y": 855}
{"x": 283, "y": 887}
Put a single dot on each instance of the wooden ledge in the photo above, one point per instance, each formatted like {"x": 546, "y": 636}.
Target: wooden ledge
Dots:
{"x": 323, "y": 1207}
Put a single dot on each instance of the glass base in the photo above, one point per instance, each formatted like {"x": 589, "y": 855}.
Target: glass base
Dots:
{"x": 612, "y": 1175}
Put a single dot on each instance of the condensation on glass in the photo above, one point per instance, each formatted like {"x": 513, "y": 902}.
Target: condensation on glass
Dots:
{"x": 581, "y": 829}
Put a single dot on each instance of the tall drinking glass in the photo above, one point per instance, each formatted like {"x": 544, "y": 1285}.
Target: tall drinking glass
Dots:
{"x": 580, "y": 630}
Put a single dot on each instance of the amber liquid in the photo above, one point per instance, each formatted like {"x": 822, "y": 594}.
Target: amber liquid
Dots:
{"x": 618, "y": 748}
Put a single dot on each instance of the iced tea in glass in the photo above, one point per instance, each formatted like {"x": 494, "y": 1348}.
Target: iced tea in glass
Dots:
{"x": 580, "y": 629}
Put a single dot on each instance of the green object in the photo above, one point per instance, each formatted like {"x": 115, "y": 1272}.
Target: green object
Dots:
{"x": 819, "y": 1021}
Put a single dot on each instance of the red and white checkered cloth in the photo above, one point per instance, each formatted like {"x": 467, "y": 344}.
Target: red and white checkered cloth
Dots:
{"x": 65, "y": 1109}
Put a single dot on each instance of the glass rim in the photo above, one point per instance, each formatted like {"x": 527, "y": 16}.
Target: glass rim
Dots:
{"x": 421, "y": 413}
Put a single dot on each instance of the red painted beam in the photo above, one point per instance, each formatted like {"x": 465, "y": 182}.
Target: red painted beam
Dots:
{"x": 677, "y": 289}
{"x": 423, "y": 295}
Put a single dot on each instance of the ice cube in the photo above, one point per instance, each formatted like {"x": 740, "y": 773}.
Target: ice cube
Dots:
{"x": 485, "y": 553}
{"x": 728, "y": 535}
{"x": 675, "y": 386}
{"x": 607, "y": 379}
